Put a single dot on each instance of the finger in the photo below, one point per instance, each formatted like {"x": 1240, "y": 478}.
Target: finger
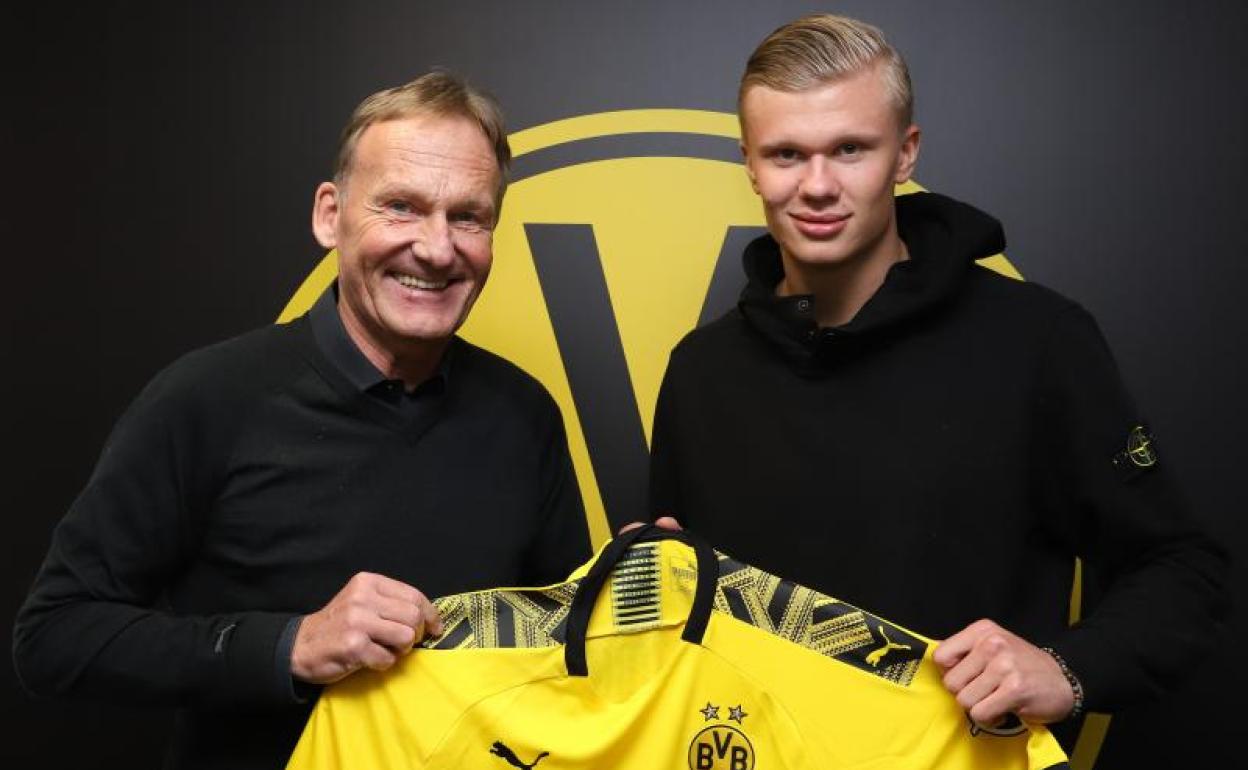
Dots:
{"x": 993, "y": 708}
{"x": 958, "y": 646}
{"x": 663, "y": 522}
{"x": 977, "y": 690}
{"x": 400, "y": 611}
{"x": 429, "y": 612}
{"x": 966, "y": 670}
{"x": 952, "y": 650}
{"x": 377, "y": 657}
{"x": 394, "y": 589}
{"x": 396, "y": 637}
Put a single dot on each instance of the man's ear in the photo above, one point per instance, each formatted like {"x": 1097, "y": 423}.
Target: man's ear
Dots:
{"x": 909, "y": 155}
{"x": 325, "y": 210}
{"x": 749, "y": 170}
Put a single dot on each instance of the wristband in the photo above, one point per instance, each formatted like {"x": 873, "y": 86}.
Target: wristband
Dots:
{"x": 1076, "y": 710}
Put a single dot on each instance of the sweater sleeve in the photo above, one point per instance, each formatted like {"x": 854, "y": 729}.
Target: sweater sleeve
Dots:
{"x": 562, "y": 542}
{"x": 663, "y": 497}
{"x": 96, "y": 622}
{"x": 1153, "y": 581}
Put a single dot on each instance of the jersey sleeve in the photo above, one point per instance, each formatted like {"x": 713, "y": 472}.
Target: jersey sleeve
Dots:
{"x": 396, "y": 719}
{"x": 1152, "y": 579}
{"x": 495, "y": 642}
{"x": 95, "y": 623}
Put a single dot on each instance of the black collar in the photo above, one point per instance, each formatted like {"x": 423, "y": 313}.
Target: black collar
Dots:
{"x": 334, "y": 342}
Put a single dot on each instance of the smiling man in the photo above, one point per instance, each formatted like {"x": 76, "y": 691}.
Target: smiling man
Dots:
{"x": 884, "y": 420}
{"x": 272, "y": 511}
{"x": 411, "y": 213}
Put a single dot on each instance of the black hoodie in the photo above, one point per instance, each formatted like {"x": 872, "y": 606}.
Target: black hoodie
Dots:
{"x": 940, "y": 458}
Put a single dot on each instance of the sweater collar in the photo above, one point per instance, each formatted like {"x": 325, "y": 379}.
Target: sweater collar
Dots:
{"x": 336, "y": 345}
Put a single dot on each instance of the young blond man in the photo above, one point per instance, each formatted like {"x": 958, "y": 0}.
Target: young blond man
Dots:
{"x": 885, "y": 421}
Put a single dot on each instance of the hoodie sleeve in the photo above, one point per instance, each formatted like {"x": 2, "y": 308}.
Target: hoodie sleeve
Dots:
{"x": 1153, "y": 581}
{"x": 95, "y": 623}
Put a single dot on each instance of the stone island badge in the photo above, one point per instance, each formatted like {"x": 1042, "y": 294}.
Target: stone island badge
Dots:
{"x": 1139, "y": 455}
{"x": 721, "y": 746}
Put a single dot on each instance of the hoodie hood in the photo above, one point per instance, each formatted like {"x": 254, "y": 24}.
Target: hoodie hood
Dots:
{"x": 944, "y": 238}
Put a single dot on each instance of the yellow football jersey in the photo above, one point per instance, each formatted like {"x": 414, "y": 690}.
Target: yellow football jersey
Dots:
{"x": 688, "y": 660}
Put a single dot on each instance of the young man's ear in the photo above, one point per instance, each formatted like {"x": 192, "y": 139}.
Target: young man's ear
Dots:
{"x": 909, "y": 155}
{"x": 749, "y": 170}
{"x": 325, "y": 210}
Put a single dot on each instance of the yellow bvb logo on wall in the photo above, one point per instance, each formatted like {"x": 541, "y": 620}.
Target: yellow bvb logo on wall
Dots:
{"x": 620, "y": 232}
{"x": 610, "y": 235}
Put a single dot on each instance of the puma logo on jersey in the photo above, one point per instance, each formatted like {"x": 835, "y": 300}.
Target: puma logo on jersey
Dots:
{"x": 875, "y": 656}
{"x": 499, "y": 749}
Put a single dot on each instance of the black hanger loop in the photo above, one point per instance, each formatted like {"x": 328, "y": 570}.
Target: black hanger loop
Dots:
{"x": 591, "y": 586}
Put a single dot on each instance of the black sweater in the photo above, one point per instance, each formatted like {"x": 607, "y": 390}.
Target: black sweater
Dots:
{"x": 940, "y": 458}
{"x": 245, "y": 486}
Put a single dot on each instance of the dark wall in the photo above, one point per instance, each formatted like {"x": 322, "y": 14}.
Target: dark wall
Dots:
{"x": 162, "y": 159}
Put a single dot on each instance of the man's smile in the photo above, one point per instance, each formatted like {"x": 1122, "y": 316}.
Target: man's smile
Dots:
{"x": 416, "y": 282}
{"x": 814, "y": 225}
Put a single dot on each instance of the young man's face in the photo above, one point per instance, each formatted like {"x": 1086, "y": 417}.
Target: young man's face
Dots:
{"x": 824, "y": 162}
{"x": 413, "y": 225}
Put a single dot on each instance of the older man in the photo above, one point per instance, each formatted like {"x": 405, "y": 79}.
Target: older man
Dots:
{"x": 262, "y": 515}
{"x": 884, "y": 420}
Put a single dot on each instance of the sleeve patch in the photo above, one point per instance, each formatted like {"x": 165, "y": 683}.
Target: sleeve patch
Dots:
{"x": 1139, "y": 455}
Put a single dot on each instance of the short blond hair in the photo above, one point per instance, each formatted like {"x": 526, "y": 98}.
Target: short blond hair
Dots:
{"x": 439, "y": 93}
{"x": 820, "y": 48}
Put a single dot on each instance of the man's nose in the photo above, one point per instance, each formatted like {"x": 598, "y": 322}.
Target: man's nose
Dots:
{"x": 819, "y": 178}
{"x": 433, "y": 244}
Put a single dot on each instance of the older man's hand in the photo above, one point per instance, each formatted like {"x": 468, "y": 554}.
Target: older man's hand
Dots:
{"x": 370, "y": 623}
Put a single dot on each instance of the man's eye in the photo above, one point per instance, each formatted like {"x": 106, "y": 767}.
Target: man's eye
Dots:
{"x": 787, "y": 155}
{"x": 468, "y": 220}
{"x": 849, "y": 148}
{"x": 399, "y": 207}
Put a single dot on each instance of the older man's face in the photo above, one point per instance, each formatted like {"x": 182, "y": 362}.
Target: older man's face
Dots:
{"x": 413, "y": 226}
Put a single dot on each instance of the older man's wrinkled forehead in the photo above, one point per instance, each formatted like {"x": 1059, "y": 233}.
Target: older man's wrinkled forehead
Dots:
{"x": 448, "y": 151}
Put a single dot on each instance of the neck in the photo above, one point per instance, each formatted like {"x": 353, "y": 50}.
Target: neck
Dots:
{"x": 841, "y": 289}
{"x": 412, "y": 362}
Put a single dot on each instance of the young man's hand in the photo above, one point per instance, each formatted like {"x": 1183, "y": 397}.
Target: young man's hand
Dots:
{"x": 993, "y": 672}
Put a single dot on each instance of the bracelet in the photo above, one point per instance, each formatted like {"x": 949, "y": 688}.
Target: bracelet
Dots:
{"x": 1076, "y": 686}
